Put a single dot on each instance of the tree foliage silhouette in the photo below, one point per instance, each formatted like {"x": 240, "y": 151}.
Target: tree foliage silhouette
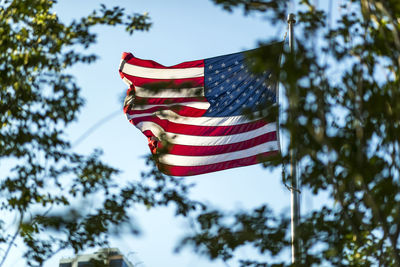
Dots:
{"x": 45, "y": 186}
{"x": 343, "y": 87}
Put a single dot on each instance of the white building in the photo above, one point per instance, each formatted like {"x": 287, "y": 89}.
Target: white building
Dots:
{"x": 108, "y": 257}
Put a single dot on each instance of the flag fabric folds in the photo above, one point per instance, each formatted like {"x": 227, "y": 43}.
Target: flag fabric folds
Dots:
{"x": 192, "y": 113}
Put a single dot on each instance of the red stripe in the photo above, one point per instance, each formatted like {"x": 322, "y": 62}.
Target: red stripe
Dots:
{"x": 128, "y": 57}
{"x": 148, "y": 133}
{"x": 178, "y": 109}
{"x": 215, "y": 150}
{"x": 195, "y": 170}
{"x": 165, "y": 83}
{"x": 167, "y": 100}
{"x": 177, "y": 128}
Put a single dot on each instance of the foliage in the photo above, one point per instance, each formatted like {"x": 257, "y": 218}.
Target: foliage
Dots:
{"x": 45, "y": 186}
{"x": 275, "y": 9}
{"x": 343, "y": 91}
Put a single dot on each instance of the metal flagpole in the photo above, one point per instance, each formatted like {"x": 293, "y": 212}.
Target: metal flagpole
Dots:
{"x": 294, "y": 190}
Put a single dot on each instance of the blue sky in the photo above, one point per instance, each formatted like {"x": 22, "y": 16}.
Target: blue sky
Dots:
{"x": 181, "y": 31}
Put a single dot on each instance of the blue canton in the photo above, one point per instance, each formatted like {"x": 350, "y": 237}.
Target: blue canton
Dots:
{"x": 230, "y": 86}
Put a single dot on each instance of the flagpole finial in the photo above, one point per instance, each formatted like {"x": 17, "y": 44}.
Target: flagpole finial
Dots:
{"x": 291, "y": 18}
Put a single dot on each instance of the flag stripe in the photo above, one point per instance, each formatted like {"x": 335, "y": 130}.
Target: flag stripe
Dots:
{"x": 182, "y": 110}
{"x": 129, "y": 58}
{"x": 202, "y": 121}
{"x": 187, "y": 150}
{"x": 203, "y": 140}
{"x": 196, "y": 170}
{"x": 166, "y": 100}
{"x": 150, "y": 108}
{"x": 169, "y": 93}
{"x": 167, "y": 73}
{"x": 201, "y": 130}
{"x": 127, "y": 81}
{"x": 179, "y": 160}
{"x": 182, "y": 83}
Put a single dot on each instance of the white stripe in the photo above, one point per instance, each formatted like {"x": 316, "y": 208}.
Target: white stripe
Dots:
{"x": 135, "y": 116}
{"x": 128, "y": 82}
{"x": 198, "y": 105}
{"x": 190, "y": 140}
{"x": 199, "y": 121}
{"x": 178, "y": 160}
{"x": 172, "y": 93}
{"x": 155, "y": 73}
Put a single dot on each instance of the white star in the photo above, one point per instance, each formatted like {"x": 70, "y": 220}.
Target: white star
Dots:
{"x": 251, "y": 98}
{"x": 236, "y": 62}
{"x": 244, "y": 94}
{"x": 231, "y": 96}
{"x": 242, "y": 66}
{"x": 230, "y": 107}
{"x": 258, "y": 79}
{"x": 228, "y": 93}
{"x": 257, "y": 102}
{"x": 251, "y": 87}
{"x": 221, "y": 88}
{"x": 229, "y": 69}
{"x": 257, "y": 91}
{"x": 223, "y": 65}
{"x": 233, "y": 86}
{"x": 216, "y": 83}
{"x": 228, "y": 80}
{"x": 222, "y": 76}
{"x": 237, "y": 100}
{"x": 210, "y": 67}
{"x": 209, "y": 78}
{"x": 217, "y": 71}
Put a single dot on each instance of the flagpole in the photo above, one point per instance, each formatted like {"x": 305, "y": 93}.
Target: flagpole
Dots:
{"x": 294, "y": 190}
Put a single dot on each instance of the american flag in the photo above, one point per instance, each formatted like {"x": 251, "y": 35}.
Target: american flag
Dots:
{"x": 192, "y": 113}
